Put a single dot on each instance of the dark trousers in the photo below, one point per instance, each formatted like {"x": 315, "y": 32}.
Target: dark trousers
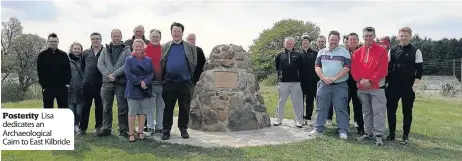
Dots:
{"x": 357, "y": 107}
{"x": 407, "y": 96}
{"x": 58, "y": 92}
{"x": 91, "y": 93}
{"x": 171, "y": 93}
{"x": 309, "y": 94}
{"x": 108, "y": 90}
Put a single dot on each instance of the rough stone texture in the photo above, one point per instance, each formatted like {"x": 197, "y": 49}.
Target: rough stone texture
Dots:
{"x": 228, "y": 109}
{"x": 287, "y": 133}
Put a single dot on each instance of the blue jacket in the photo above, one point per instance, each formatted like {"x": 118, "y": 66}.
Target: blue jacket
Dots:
{"x": 137, "y": 70}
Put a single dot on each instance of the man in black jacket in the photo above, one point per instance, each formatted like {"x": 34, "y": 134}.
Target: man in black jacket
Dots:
{"x": 403, "y": 77}
{"x": 54, "y": 73}
{"x": 308, "y": 76}
{"x": 200, "y": 58}
{"x": 93, "y": 81}
{"x": 288, "y": 66}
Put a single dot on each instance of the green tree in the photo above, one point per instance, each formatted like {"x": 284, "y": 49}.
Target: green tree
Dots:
{"x": 24, "y": 52}
{"x": 10, "y": 30}
{"x": 270, "y": 42}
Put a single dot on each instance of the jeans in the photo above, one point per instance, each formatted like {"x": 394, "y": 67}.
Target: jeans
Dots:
{"x": 336, "y": 94}
{"x": 77, "y": 110}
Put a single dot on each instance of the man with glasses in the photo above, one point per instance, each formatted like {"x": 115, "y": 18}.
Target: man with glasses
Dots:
{"x": 369, "y": 67}
{"x": 54, "y": 73}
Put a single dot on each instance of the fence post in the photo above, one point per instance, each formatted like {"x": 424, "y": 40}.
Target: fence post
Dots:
{"x": 454, "y": 67}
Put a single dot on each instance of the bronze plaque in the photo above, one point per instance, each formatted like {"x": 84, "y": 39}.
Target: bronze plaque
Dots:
{"x": 225, "y": 79}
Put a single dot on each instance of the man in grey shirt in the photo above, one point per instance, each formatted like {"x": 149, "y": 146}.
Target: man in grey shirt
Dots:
{"x": 111, "y": 65}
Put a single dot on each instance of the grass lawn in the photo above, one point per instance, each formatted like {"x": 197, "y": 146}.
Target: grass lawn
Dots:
{"x": 436, "y": 135}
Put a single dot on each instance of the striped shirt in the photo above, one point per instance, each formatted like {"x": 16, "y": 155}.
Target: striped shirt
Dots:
{"x": 332, "y": 62}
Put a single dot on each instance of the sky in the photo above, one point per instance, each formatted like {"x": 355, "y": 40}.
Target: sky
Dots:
{"x": 228, "y": 22}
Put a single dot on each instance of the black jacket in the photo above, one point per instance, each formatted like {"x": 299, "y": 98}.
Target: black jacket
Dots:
{"x": 53, "y": 68}
{"x": 200, "y": 64}
{"x": 308, "y": 74}
{"x": 403, "y": 67}
{"x": 288, "y": 66}
{"x": 91, "y": 74}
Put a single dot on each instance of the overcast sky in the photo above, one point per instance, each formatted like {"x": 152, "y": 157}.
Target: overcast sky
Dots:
{"x": 228, "y": 22}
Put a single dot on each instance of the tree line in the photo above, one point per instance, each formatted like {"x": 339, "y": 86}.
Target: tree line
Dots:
{"x": 440, "y": 56}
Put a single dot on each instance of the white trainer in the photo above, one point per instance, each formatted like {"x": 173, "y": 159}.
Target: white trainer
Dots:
{"x": 343, "y": 136}
{"x": 315, "y": 133}
{"x": 298, "y": 124}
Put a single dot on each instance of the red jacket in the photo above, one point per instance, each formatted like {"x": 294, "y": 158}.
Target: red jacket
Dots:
{"x": 370, "y": 63}
{"x": 155, "y": 53}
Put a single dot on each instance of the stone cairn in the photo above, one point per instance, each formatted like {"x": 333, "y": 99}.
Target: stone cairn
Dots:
{"x": 224, "y": 109}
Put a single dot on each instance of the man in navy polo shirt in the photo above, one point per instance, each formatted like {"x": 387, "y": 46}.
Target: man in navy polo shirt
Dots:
{"x": 178, "y": 63}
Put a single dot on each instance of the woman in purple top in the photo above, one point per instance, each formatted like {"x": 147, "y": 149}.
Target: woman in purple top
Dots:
{"x": 139, "y": 73}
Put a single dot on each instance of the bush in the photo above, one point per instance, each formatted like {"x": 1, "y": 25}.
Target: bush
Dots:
{"x": 11, "y": 92}
{"x": 271, "y": 80}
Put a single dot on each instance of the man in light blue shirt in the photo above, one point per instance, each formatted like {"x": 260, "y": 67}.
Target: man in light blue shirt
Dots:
{"x": 332, "y": 66}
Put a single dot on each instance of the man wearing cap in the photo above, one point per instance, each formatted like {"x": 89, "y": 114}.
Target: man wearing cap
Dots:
{"x": 308, "y": 77}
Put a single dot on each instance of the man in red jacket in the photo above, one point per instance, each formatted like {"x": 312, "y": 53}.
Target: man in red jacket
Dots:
{"x": 154, "y": 51}
{"x": 369, "y": 67}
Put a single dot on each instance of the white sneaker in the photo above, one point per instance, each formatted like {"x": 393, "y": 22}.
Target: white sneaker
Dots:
{"x": 277, "y": 122}
{"x": 329, "y": 123}
{"x": 298, "y": 124}
{"x": 343, "y": 136}
{"x": 315, "y": 133}
{"x": 356, "y": 124}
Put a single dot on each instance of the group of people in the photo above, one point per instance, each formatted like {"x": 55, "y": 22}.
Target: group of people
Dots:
{"x": 146, "y": 78}
{"x": 143, "y": 75}
{"x": 373, "y": 76}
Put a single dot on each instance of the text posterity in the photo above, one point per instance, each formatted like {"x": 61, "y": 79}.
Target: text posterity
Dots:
{"x": 37, "y": 129}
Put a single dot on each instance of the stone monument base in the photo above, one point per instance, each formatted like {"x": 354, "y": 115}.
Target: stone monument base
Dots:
{"x": 287, "y": 133}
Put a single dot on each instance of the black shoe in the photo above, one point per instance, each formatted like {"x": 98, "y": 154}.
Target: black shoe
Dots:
{"x": 361, "y": 132}
{"x": 405, "y": 140}
{"x": 184, "y": 133}
{"x": 165, "y": 135}
{"x": 391, "y": 137}
{"x": 83, "y": 132}
{"x": 102, "y": 133}
{"x": 123, "y": 133}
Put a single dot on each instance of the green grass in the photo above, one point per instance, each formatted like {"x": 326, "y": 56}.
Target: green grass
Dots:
{"x": 436, "y": 135}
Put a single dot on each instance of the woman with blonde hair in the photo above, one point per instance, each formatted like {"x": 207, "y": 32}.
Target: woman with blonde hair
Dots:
{"x": 140, "y": 73}
{"x": 75, "y": 93}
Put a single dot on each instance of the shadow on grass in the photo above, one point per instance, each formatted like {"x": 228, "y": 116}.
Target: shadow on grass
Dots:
{"x": 417, "y": 145}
